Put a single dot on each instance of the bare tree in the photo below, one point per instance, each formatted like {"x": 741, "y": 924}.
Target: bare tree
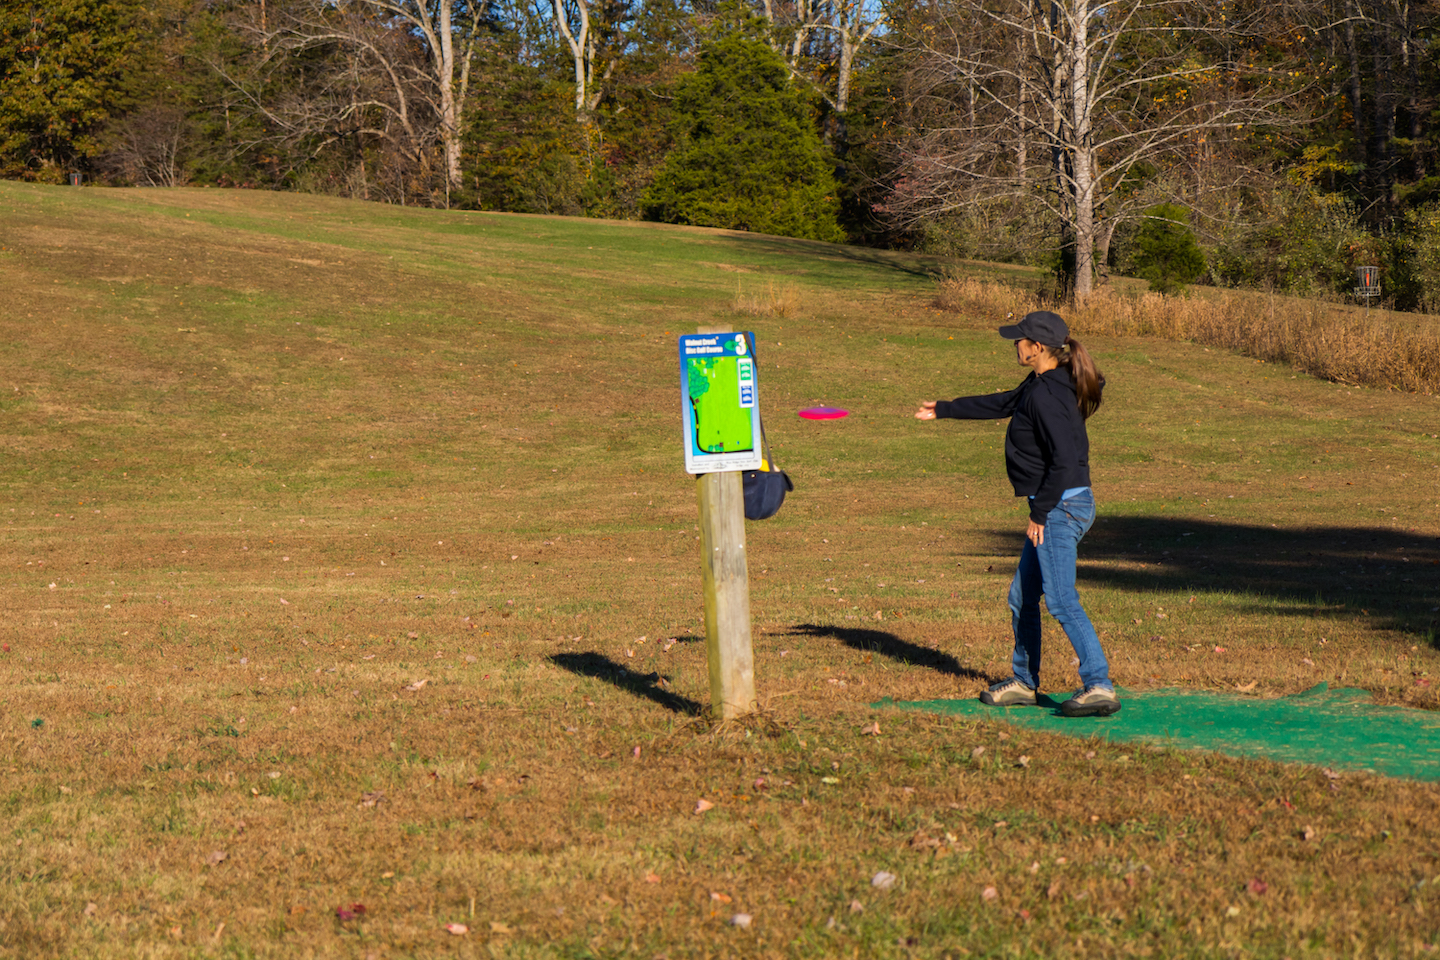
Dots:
{"x": 596, "y": 34}
{"x": 147, "y": 146}
{"x": 1060, "y": 102}
{"x": 449, "y": 29}
{"x": 332, "y": 82}
{"x": 822, "y": 38}
{"x": 396, "y": 71}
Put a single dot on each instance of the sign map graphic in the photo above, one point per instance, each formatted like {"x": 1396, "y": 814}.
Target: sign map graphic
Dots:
{"x": 719, "y": 401}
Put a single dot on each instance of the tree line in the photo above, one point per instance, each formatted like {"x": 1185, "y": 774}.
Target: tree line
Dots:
{"x": 1278, "y": 145}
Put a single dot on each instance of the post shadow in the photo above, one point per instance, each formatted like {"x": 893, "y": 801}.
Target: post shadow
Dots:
{"x": 888, "y": 645}
{"x": 1389, "y": 578}
{"x": 646, "y": 685}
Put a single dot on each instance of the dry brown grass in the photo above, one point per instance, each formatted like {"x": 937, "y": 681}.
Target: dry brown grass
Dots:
{"x": 1336, "y": 342}
{"x": 778, "y": 299}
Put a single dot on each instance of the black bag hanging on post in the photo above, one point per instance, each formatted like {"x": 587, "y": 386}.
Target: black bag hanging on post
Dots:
{"x": 765, "y": 489}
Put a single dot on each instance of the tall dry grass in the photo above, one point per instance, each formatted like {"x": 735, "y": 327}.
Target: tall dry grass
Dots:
{"x": 1331, "y": 341}
{"x": 776, "y": 300}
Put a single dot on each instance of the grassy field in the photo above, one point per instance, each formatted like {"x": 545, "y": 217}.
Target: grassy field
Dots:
{"x": 352, "y": 592}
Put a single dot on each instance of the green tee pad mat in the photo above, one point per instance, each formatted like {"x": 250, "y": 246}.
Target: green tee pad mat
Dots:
{"x": 1341, "y": 729}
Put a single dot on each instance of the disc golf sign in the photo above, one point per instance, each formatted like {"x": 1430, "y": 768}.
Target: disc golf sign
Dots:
{"x": 720, "y": 403}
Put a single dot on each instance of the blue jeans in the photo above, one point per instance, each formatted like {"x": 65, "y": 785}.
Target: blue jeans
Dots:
{"x": 1049, "y": 569}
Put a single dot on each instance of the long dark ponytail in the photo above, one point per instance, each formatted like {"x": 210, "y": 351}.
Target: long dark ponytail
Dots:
{"x": 1089, "y": 381}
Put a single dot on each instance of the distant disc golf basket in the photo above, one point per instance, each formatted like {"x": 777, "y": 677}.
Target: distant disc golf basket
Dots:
{"x": 1367, "y": 284}
{"x": 77, "y": 179}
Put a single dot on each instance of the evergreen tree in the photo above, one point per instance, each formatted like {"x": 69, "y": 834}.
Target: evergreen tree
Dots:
{"x": 62, "y": 66}
{"x": 1166, "y": 252}
{"x": 747, "y": 156}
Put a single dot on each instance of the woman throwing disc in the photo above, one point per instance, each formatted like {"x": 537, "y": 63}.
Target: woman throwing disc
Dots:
{"x": 1047, "y": 455}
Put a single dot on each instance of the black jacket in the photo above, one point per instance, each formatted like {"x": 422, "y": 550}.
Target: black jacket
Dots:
{"x": 1046, "y": 448}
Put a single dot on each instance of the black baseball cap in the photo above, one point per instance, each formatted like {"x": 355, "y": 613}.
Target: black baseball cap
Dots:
{"x": 1042, "y": 326}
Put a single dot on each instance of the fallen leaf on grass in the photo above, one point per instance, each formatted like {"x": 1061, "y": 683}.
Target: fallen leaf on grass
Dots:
{"x": 1331, "y": 774}
{"x": 741, "y": 920}
{"x": 652, "y": 878}
{"x": 856, "y": 906}
{"x": 1053, "y": 890}
{"x": 1246, "y": 687}
{"x": 976, "y": 753}
{"x": 1307, "y": 661}
{"x": 1219, "y": 649}
{"x": 884, "y": 880}
{"x": 456, "y": 929}
{"x": 91, "y": 909}
{"x": 702, "y": 805}
{"x": 372, "y": 799}
{"x": 871, "y": 731}
{"x": 989, "y": 893}
{"x": 1257, "y": 886}
{"x": 417, "y": 685}
{"x": 720, "y": 897}
{"x": 497, "y": 927}
{"x": 1023, "y": 762}
{"x": 350, "y": 912}
{"x": 1308, "y": 833}
{"x": 216, "y": 858}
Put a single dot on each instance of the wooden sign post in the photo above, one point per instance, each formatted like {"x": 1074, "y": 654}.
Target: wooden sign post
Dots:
{"x": 726, "y": 583}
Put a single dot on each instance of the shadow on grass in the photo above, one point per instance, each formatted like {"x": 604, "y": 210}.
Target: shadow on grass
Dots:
{"x": 1390, "y": 578}
{"x": 645, "y": 685}
{"x": 911, "y": 266}
{"x": 889, "y": 645}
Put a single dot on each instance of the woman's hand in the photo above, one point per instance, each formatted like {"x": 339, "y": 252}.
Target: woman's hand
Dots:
{"x": 1035, "y": 533}
{"x": 926, "y": 411}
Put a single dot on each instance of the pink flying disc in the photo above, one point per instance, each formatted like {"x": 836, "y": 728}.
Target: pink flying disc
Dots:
{"x": 824, "y": 413}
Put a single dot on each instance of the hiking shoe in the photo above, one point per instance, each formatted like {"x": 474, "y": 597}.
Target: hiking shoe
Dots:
{"x": 1008, "y": 693}
{"x": 1091, "y": 702}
